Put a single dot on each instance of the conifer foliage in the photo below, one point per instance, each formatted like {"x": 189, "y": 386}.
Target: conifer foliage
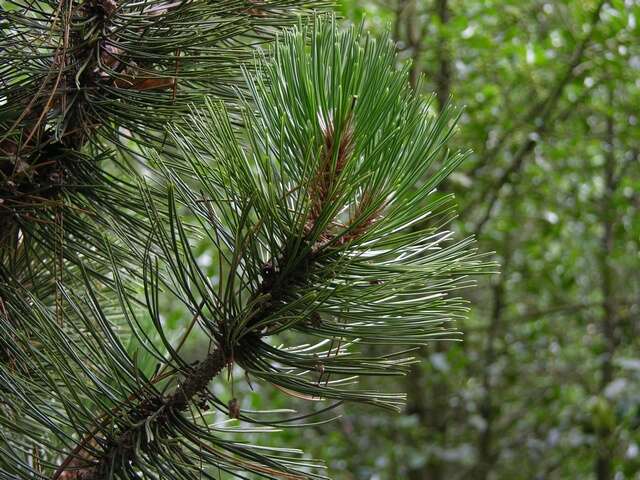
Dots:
{"x": 312, "y": 179}
{"x": 79, "y": 78}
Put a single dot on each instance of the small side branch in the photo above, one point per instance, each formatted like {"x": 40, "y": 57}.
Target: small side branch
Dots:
{"x": 123, "y": 447}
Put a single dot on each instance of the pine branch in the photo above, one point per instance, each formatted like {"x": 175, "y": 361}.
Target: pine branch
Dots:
{"x": 123, "y": 448}
{"x": 91, "y": 75}
{"x": 315, "y": 210}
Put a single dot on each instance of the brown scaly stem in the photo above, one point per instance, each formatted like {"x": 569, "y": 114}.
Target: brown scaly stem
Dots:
{"x": 328, "y": 174}
{"x": 123, "y": 445}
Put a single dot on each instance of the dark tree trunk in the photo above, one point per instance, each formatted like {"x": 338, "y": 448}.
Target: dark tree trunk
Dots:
{"x": 603, "y": 464}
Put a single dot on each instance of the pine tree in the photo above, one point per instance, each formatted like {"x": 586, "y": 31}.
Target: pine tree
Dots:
{"x": 133, "y": 131}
